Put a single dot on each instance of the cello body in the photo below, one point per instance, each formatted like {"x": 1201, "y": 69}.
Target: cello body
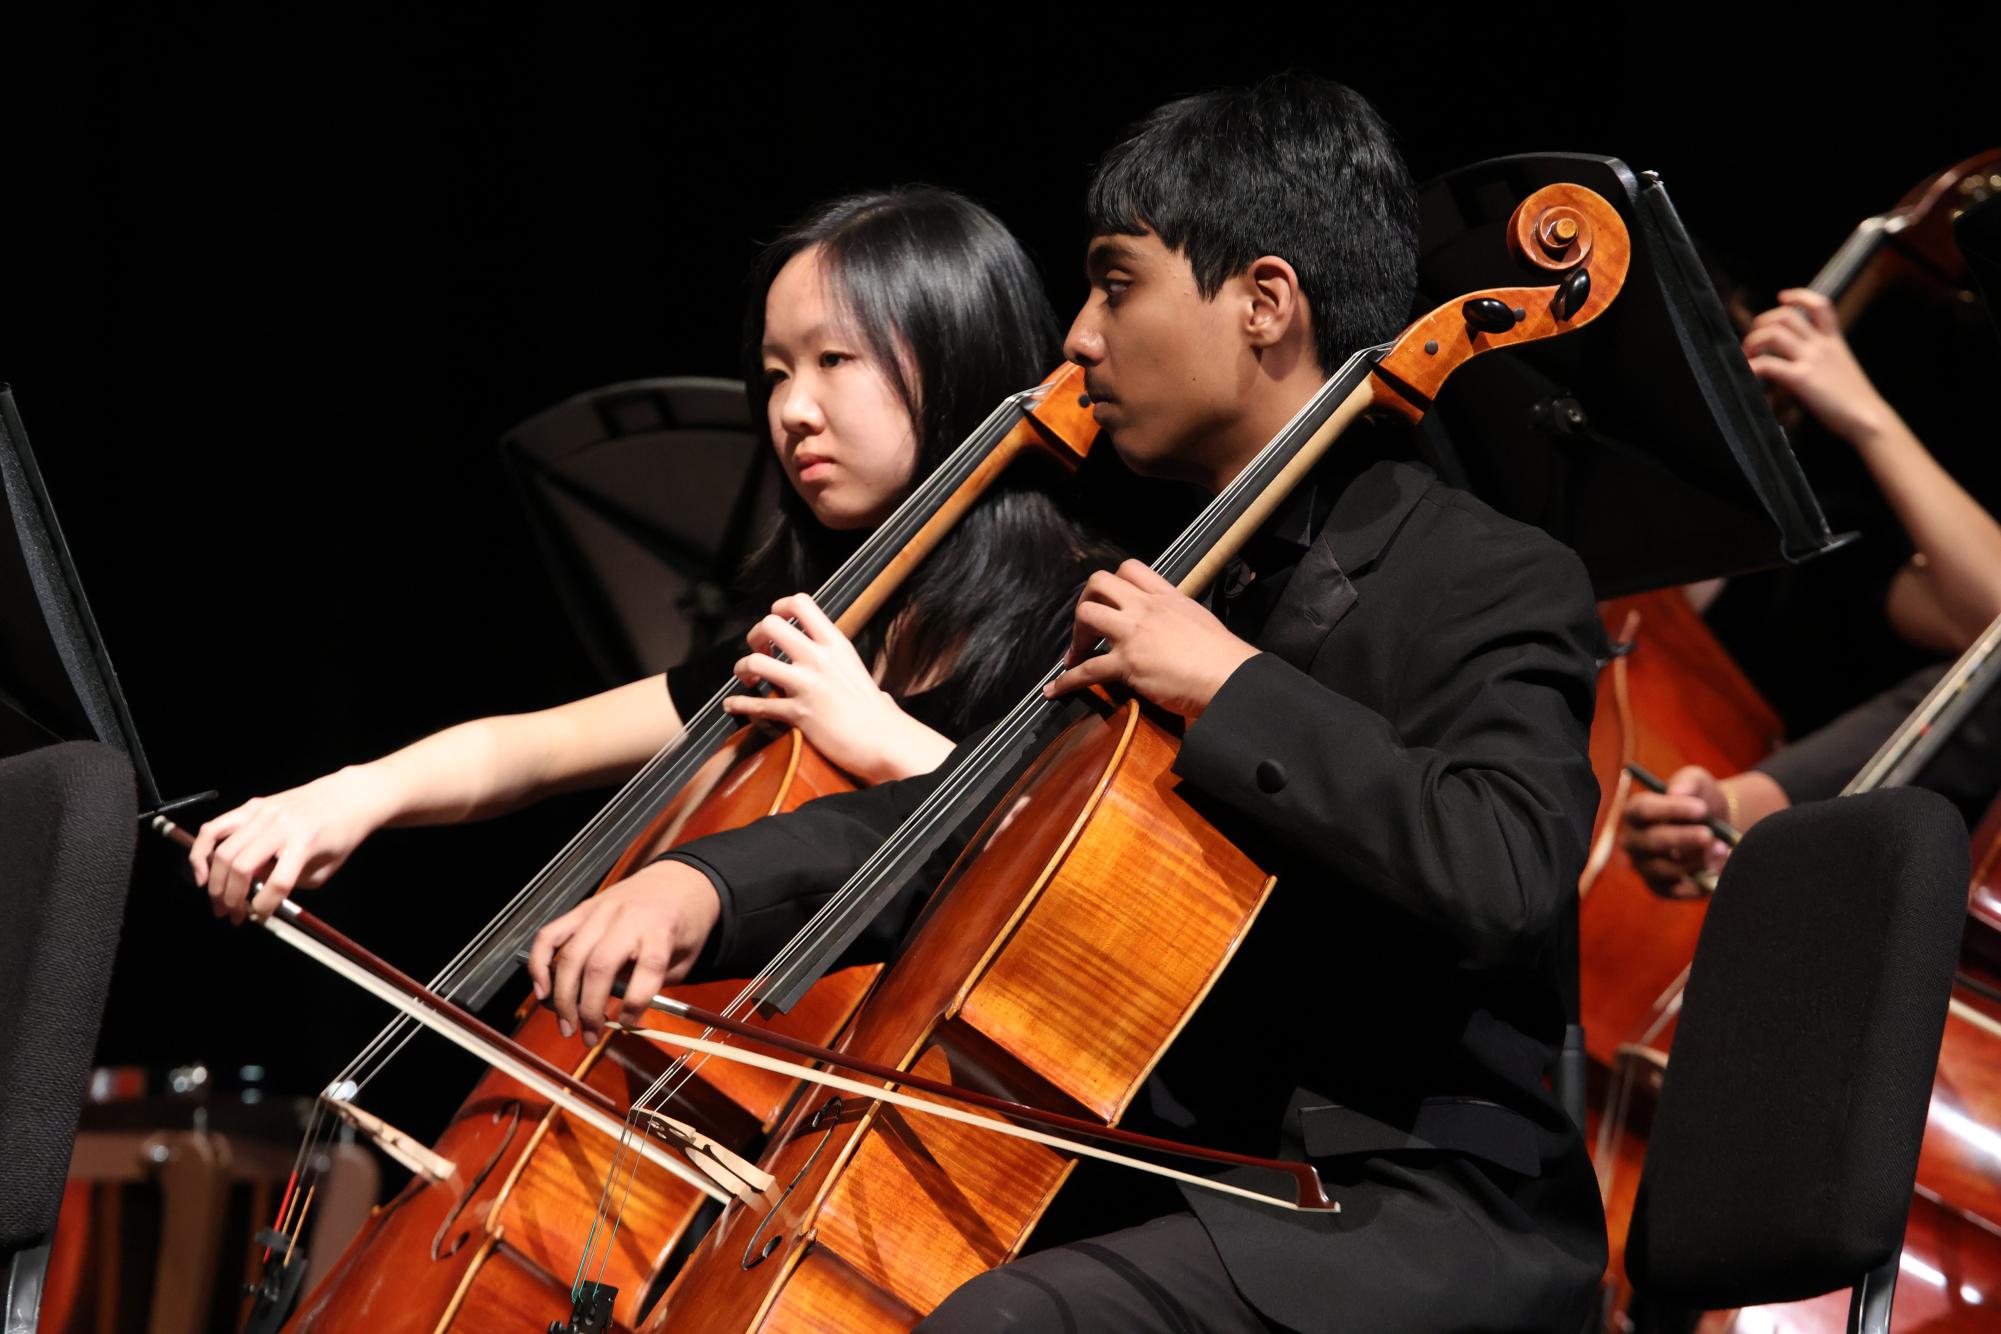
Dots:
{"x": 1087, "y": 868}
{"x": 1671, "y": 697}
{"x": 495, "y": 1243}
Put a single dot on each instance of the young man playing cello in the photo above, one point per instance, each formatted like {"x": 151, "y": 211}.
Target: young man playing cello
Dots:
{"x": 1389, "y": 707}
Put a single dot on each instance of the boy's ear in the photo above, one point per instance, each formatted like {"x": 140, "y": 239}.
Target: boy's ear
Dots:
{"x": 1275, "y": 300}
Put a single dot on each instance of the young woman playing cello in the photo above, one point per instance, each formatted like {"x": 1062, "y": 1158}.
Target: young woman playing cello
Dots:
{"x": 880, "y": 330}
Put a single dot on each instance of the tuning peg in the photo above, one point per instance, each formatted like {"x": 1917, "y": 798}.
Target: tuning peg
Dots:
{"x": 1572, "y": 293}
{"x": 1488, "y": 315}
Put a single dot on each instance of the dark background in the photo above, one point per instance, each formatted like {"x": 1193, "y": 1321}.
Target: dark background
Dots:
{"x": 271, "y": 294}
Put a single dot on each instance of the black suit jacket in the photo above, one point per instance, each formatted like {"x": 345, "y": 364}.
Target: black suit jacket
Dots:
{"x": 1409, "y": 755}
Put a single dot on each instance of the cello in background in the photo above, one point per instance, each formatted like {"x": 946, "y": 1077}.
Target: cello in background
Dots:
{"x": 1951, "y": 1263}
{"x": 1910, "y": 245}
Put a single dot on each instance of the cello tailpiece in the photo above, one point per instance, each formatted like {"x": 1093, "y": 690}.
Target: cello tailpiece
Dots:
{"x": 590, "y": 1312}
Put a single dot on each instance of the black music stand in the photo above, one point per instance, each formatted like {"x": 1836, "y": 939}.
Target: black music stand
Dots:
{"x": 644, "y": 498}
{"x": 1643, "y": 441}
{"x": 56, "y": 679}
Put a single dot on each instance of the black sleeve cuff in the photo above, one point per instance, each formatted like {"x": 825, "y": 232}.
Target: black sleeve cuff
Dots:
{"x": 723, "y": 938}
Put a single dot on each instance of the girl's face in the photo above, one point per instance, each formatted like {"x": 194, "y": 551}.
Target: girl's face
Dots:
{"x": 843, "y": 436}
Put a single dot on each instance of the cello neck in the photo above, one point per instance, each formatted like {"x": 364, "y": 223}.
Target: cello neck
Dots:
{"x": 1226, "y": 523}
{"x": 1919, "y": 229}
{"x": 1938, "y": 716}
{"x": 1846, "y": 266}
{"x": 1053, "y": 418}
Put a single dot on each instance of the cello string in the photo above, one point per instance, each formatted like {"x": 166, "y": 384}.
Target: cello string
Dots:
{"x": 833, "y": 911}
{"x": 598, "y": 1214}
{"x": 618, "y": 1218}
{"x": 304, "y": 1158}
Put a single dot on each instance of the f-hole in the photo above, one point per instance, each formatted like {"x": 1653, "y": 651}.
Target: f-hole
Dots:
{"x": 827, "y": 1114}
{"x": 439, "y": 1250}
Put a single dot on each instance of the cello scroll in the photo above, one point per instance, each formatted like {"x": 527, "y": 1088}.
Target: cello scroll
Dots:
{"x": 1562, "y": 229}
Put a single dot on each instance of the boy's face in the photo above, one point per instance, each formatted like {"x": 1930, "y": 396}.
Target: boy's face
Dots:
{"x": 1166, "y": 367}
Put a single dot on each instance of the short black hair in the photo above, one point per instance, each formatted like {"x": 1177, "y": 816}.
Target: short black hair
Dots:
{"x": 1293, "y": 166}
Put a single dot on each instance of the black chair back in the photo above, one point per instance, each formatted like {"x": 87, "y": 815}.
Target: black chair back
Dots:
{"x": 68, "y": 825}
{"x": 1782, "y": 1156}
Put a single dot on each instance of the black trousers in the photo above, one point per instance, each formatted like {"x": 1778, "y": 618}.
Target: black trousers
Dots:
{"x": 1162, "y": 1277}
{"x": 1416, "y": 1250}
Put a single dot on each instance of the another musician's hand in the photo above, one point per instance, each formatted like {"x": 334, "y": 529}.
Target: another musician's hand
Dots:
{"x": 827, "y": 692}
{"x": 291, "y": 840}
{"x": 656, "y": 920}
{"x": 1162, "y": 643}
{"x": 1797, "y": 349}
{"x": 1665, "y": 835}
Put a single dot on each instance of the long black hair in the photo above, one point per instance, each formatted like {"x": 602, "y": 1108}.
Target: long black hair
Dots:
{"x": 953, "y": 313}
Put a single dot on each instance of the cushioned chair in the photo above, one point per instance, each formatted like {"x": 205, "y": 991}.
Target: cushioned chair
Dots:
{"x": 1782, "y": 1156}
{"x": 68, "y": 825}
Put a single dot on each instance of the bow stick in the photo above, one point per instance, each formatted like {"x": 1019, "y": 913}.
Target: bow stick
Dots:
{"x": 1308, "y": 1191}
{"x": 716, "y": 1172}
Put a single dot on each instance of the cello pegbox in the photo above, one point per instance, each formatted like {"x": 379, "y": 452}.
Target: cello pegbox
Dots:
{"x": 1573, "y": 239}
{"x": 1062, "y": 424}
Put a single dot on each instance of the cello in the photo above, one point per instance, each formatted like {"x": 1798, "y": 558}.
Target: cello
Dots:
{"x": 1910, "y": 243}
{"x": 487, "y": 1219}
{"x": 1026, "y": 974}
